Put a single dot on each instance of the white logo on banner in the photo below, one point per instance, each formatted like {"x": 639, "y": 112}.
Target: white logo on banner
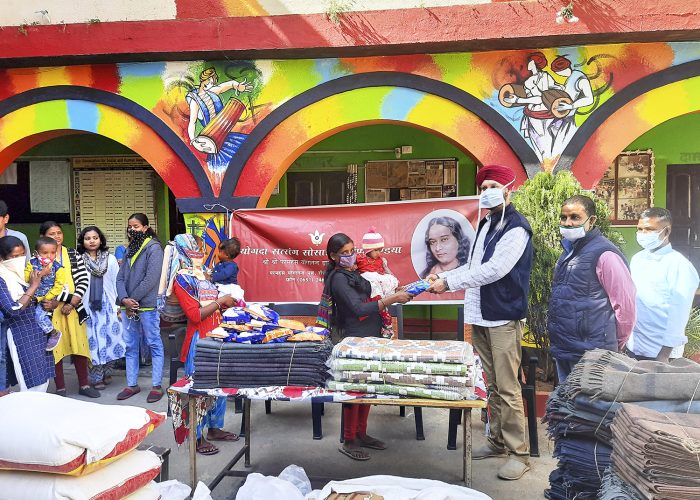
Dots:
{"x": 316, "y": 238}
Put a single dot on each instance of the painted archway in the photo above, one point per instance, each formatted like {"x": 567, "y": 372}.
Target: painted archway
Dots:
{"x": 369, "y": 98}
{"x": 631, "y": 121}
{"x": 271, "y": 157}
{"x": 31, "y": 117}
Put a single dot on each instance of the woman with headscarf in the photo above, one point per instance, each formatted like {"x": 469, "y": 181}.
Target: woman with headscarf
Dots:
{"x": 33, "y": 365}
{"x": 200, "y": 301}
{"x": 137, "y": 292}
{"x": 69, "y": 314}
{"x": 104, "y": 329}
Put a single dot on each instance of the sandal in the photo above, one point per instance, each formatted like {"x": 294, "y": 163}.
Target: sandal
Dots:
{"x": 61, "y": 392}
{"x": 224, "y": 436}
{"x": 369, "y": 442}
{"x": 206, "y": 448}
{"x": 155, "y": 395}
{"x": 349, "y": 449}
{"x": 127, "y": 392}
{"x": 100, "y": 386}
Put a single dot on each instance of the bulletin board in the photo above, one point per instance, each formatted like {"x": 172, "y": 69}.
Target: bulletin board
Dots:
{"x": 402, "y": 180}
{"x": 37, "y": 191}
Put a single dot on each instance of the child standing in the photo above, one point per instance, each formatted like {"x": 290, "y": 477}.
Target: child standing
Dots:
{"x": 375, "y": 269}
{"x": 53, "y": 278}
{"x": 225, "y": 273}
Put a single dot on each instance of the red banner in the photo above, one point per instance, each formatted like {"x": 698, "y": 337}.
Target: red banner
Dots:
{"x": 283, "y": 250}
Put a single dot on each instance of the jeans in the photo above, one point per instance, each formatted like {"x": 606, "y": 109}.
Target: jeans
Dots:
{"x": 148, "y": 326}
{"x": 564, "y": 368}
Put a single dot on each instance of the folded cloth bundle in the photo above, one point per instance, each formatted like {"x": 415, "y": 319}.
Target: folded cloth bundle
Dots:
{"x": 615, "y": 377}
{"x": 381, "y": 349}
{"x": 420, "y": 368}
{"x": 401, "y": 379}
{"x": 227, "y": 364}
{"x": 614, "y": 488}
{"x": 402, "y": 390}
{"x": 584, "y": 407}
{"x": 658, "y": 453}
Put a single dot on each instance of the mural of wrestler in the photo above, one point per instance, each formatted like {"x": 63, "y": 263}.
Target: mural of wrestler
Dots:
{"x": 537, "y": 118}
{"x": 580, "y": 91}
{"x": 207, "y": 107}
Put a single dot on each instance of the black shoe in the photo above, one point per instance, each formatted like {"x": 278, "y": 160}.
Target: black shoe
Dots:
{"x": 89, "y": 392}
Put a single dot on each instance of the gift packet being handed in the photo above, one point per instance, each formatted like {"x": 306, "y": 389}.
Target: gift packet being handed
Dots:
{"x": 417, "y": 287}
{"x": 236, "y": 315}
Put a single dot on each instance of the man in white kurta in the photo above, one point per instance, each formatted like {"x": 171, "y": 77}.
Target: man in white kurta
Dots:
{"x": 666, "y": 284}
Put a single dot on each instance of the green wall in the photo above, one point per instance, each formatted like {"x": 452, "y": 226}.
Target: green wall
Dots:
{"x": 370, "y": 137}
{"x": 672, "y": 142}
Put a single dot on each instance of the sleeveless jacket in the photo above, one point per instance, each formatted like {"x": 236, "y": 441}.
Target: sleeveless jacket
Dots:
{"x": 506, "y": 299}
{"x": 580, "y": 316}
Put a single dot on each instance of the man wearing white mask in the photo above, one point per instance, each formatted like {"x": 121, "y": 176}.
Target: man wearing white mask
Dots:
{"x": 666, "y": 283}
{"x": 592, "y": 302}
{"x": 497, "y": 277}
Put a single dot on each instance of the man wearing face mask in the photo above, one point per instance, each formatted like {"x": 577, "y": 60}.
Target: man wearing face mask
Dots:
{"x": 666, "y": 283}
{"x": 497, "y": 277}
{"x": 592, "y": 302}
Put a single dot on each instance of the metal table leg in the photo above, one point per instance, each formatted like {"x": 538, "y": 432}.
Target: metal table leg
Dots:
{"x": 192, "y": 414}
{"x": 467, "y": 447}
{"x": 246, "y": 416}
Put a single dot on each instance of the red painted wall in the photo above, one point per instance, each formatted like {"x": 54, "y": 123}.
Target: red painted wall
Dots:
{"x": 486, "y": 26}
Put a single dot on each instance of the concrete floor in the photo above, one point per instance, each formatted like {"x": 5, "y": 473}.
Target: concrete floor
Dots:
{"x": 284, "y": 437}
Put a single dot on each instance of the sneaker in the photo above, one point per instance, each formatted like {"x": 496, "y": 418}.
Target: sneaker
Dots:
{"x": 488, "y": 451}
{"x": 53, "y": 340}
{"x": 89, "y": 392}
{"x": 513, "y": 469}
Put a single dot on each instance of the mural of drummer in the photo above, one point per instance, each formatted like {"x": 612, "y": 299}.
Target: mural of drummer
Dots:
{"x": 578, "y": 87}
{"x": 216, "y": 138}
{"x": 537, "y": 117}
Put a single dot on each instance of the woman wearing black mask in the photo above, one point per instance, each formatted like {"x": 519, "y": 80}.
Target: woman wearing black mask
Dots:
{"x": 354, "y": 316}
{"x": 137, "y": 291}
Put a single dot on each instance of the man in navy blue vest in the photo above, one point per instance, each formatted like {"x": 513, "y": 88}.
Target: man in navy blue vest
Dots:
{"x": 593, "y": 295}
{"x": 497, "y": 279}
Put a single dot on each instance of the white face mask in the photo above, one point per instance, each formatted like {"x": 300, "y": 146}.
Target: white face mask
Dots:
{"x": 650, "y": 241}
{"x": 491, "y": 197}
{"x": 572, "y": 233}
{"x": 16, "y": 265}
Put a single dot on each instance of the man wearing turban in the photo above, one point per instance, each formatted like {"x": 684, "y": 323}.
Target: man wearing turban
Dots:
{"x": 497, "y": 279}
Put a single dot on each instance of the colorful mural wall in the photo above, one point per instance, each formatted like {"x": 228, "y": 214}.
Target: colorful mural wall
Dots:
{"x": 225, "y": 131}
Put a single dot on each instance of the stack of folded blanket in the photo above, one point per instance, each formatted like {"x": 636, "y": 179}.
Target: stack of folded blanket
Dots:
{"x": 229, "y": 364}
{"x": 581, "y": 410}
{"x": 658, "y": 453}
{"x": 413, "y": 368}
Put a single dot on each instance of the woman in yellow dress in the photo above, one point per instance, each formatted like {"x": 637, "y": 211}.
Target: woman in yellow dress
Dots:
{"x": 69, "y": 315}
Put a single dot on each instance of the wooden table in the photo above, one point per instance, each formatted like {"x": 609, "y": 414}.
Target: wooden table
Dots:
{"x": 244, "y": 452}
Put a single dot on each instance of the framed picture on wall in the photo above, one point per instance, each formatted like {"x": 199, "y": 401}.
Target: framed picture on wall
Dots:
{"x": 628, "y": 186}
{"x": 396, "y": 180}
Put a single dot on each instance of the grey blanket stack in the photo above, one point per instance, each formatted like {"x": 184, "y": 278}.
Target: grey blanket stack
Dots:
{"x": 229, "y": 364}
{"x": 580, "y": 413}
{"x": 658, "y": 453}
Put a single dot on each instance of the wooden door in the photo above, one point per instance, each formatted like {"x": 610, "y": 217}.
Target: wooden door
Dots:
{"x": 316, "y": 188}
{"x": 683, "y": 200}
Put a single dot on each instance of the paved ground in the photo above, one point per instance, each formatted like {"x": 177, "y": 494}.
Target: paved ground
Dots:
{"x": 284, "y": 437}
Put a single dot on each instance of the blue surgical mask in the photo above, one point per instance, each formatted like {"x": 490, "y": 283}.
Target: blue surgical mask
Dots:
{"x": 491, "y": 197}
{"x": 347, "y": 261}
{"x": 650, "y": 241}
